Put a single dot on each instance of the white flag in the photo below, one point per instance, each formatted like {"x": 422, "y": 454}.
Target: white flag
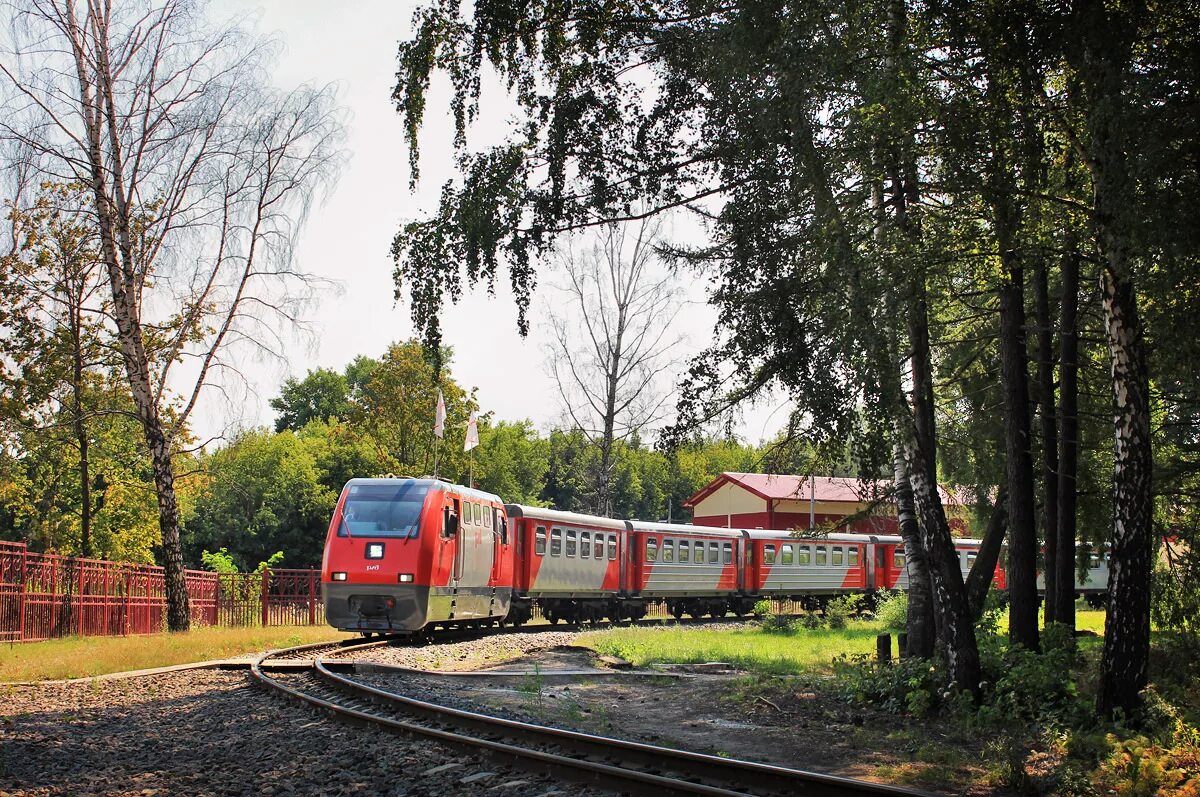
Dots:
{"x": 472, "y": 439}
{"x": 439, "y": 423}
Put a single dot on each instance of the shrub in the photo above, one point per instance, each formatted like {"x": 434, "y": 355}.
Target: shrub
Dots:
{"x": 839, "y": 610}
{"x": 812, "y": 621}
{"x": 771, "y": 622}
{"x": 891, "y": 608}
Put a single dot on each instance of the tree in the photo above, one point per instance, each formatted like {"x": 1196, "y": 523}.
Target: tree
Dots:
{"x": 321, "y": 395}
{"x": 511, "y": 461}
{"x": 198, "y": 174}
{"x": 264, "y": 494}
{"x": 611, "y": 339}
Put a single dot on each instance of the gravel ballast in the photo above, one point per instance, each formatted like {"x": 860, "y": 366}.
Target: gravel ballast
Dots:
{"x": 207, "y": 732}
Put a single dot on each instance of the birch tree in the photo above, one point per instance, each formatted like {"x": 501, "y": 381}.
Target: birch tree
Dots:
{"x": 199, "y": 173}
{"x": 611, "y": 336}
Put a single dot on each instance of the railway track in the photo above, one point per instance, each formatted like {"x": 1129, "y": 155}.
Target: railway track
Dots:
{"x": 600, "y": 762}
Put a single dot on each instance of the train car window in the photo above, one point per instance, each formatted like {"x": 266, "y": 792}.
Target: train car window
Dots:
{"x": 585, "y": 545}
{"x": 880, "y": 557}
{"x": 539, "y": 541}
{"x": 714, "y": 553}
{"x": 1093, "y": 561}
{"x": 668, "y": 550}
{"x": 487, "y": 517}
{"x": 685, "y": 551}
{"x": 804, "y": 557}
{"x": 383, "y": 510}
{"x": 971, "y": 557}
{"x": 698, "y": 557}
{"x": 822, "y": 556}
{"x": 785, "y": 556}
{"x": 727, "y": 554}
{"x": 768, "y": 554}
{"x": 839, "y": 556}
{"x": 478, "y": 512}
{"x": 898, "y": 559}
{"x": 556, "y": 542}
{"x": 652, "y": 550}
{"x": 612, "y": 547}
{"x": 852, "y": 557}
{"x": 572, "y": 541}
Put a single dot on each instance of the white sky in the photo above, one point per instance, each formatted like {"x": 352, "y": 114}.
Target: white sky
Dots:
{"x": 352, "y": 44}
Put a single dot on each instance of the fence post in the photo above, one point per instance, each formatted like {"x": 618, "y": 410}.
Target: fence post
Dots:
{"x": 312, "y": 597}
{"x": 77, "y": 615}
{"x": 266, "y": 580}
{"x": 21, "y": 594}
{"x": 883, "y": 648}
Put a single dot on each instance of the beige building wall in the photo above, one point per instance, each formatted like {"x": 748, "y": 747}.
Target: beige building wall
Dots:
{"x": 729, "y": 499}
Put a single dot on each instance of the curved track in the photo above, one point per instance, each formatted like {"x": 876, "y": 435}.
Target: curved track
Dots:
{"x": 597, "y": 761}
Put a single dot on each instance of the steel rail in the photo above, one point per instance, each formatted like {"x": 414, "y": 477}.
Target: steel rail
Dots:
{"x": 621, "y": 765}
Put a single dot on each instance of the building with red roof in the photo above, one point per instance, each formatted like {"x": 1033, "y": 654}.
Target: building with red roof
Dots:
{"x": 781, "y": 501}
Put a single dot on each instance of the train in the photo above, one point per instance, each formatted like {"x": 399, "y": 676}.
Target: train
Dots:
{"x": 403, "y": 555}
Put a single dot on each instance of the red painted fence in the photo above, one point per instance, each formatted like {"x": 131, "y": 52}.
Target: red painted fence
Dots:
{"x": 46, "y": 595}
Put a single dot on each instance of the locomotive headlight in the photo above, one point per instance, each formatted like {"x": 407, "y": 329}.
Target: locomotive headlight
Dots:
{"x": 406, "y": 578}
{"x": 339, "y": 576}
{"x": 375, "y": 550}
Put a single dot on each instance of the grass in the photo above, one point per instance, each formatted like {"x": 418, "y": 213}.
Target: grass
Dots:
{"x": 78, "y": 657}
{"x": 751, "y": 649}
{"x": 747, "y": 648}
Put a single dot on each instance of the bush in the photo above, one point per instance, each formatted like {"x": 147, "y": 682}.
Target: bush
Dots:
{"x": 891, "y": 609}
{"x": 771, "y": 622}
{"x": 839, "y": 610}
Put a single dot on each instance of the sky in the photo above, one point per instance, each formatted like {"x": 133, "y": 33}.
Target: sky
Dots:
{"x": 352, "y": 44}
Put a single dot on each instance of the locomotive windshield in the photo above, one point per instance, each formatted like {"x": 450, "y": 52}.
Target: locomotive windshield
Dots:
{"x": 383, "y": 510}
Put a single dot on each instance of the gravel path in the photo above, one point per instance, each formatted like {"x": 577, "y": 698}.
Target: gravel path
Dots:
{"x": 470, "y": 654}
{"x": 208, "y": 732}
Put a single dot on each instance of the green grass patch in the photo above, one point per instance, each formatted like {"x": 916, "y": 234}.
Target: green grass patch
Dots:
{"x": 750, "y": 649}
{"x": 78, "y": 657}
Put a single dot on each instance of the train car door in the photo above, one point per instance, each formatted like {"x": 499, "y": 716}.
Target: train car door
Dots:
{"x": 871, "y": 563}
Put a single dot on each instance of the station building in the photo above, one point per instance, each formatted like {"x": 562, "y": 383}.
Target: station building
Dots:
{"x": 781, "y": 501}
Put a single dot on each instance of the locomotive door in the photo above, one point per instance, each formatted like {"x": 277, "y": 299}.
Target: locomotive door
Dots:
{"x": 459, "y": 540}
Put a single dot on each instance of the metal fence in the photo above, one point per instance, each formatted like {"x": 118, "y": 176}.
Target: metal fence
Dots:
{"x": 43, "y": 596}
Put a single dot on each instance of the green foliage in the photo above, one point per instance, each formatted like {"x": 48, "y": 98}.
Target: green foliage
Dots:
{"x": 218, "y": 561}
{"x": 512, "y": 461}
{"x": 839, "y": 610}
{"x": 321, "y": 395}
{"x": 1176, "y": 595}
{"x": 891, "y": 609}
{"x": 264, "y": 493}
{"x": 770, "y": 622}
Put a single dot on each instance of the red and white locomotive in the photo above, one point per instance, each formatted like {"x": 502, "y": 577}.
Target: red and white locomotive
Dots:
{"x": 405, "y": 554}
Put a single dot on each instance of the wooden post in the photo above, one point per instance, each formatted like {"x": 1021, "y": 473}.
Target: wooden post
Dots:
{"x": 21, "y": 594}
{"x": 902, "y": 645}
{"x": 883, "y": 648}
{"x": 312, "y": 597}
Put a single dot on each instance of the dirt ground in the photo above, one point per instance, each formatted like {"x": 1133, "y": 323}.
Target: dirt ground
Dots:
{"x": 794, "y": 722}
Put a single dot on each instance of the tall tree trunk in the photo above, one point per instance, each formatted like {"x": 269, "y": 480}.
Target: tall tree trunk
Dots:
{"x": 116, "y": 250}
{"x": 1022, "y": 530}
{"x": 920, "y": 624}
{"x": 1068, "y": 459}
{"x": 78, "y": 423}
{"x": 1104, "y": 64}
{"x": 949, "y": 594}
{"x": 983, "y": 572}
{"x": 1049, "y": 429}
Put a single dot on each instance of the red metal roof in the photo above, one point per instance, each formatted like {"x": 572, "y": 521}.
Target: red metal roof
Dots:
{"x": 775, "y": 486}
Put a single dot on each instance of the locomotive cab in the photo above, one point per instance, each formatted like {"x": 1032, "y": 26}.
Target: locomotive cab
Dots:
{"x": 401, "y": 554}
